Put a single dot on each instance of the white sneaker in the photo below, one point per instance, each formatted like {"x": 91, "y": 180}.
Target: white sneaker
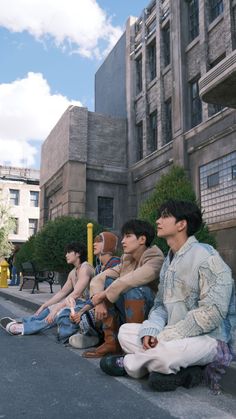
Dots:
{"x": 80, "y": 341}
{"x": 14, "y": 328}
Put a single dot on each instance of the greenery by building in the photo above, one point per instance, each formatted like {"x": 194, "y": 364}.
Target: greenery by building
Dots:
{"x": 174, "y": 185}
{"x": 47, "y": 248}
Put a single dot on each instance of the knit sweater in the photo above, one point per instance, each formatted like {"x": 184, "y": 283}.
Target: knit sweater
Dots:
{"x": 194, "y": 294}
{"x": 130, "y": 273}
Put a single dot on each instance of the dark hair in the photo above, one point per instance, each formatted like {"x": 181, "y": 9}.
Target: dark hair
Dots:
{"x": 183, "y": 210}
{"x": 77, "y": 248}
{"x": 139, "y": 228}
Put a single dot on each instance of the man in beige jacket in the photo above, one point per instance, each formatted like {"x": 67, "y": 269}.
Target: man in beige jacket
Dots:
{"x": 125, "y": 293}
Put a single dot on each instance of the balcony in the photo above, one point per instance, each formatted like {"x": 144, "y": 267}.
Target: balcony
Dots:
{"x": 218, "y": 86}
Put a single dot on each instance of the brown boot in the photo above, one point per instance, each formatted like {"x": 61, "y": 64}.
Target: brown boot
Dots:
{"x": 111, "y": 344}
{"x": 134, "y": 311}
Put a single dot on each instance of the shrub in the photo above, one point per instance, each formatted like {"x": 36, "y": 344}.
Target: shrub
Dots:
{"x": 26, "y": 252}
{"x": 173, "y": 185}
{"x": 50, "y": 241}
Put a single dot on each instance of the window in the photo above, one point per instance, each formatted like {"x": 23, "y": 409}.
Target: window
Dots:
{"x": 14, "y": 196}
{"x": 234, "y": 172}
{"x": 105, "y": 211}
{"x": 216, "y": 7}
{"x": 193, "y": 19}
{"x": 139, "y": 84}
{"x": 139, "y": 141}
{"x": 152, "y": 61}
{"x": 150, "y": 8}
{"x": 151, "y": 28}
{"x": 213, "y": 180}
{"x": 16, "y": 226}
{"x": 34, "y": 198}
{"x": 212, "y": 107}
{"x": 33, "y": 226}
{"x": 168, "y": 122}
{"x": 166, "y": 44}
{"x": 196, "y": 104}
{"x": 234, "y": 26}
{"x": 152, "y": 138}
{"x": 218, "y": 189}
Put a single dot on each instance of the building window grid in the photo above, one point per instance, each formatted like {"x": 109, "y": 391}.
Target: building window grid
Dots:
{"x": 33, "y": 226}
{"x": 166, "y": 44}
{"x": 216, "y": 7}
{"x": 139, "y": 141}
{"x": 105, "y": 211}
{"x": 152, "y": 61}
{"x": 139, "y": 82}
{"x": 34, "y": 198}
{"x": 152, "y": 137}
{"x": 233, "y": 171}
{"x": 193, "y": 18}
{"x": 219, "y": 202}
{"x": 14, "y": 196}
{"x": 196, "y": 104}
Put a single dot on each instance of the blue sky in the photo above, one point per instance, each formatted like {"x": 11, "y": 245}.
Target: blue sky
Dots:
{"x": 50, "y": 51}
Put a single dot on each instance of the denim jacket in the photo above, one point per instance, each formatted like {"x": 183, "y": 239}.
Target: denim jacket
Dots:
{"x": 194, "y": 296}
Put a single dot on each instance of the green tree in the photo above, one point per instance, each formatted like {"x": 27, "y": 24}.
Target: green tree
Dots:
{"x": 26, "y": 253}
{"x": 51, "y": 240}
{"x": 7, "y": 224}
{"x": 173, "y": 185}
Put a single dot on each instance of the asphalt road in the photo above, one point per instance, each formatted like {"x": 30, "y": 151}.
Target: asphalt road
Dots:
{"x": 40, "y": 378}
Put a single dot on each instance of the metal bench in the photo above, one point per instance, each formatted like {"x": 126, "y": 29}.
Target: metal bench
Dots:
{"x": 29, "y": 272}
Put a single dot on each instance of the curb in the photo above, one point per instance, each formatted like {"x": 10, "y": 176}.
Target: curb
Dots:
{"x": 21, "y": 301}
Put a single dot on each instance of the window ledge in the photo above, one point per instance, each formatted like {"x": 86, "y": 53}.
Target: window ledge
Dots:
{"x": 192, "y": 43}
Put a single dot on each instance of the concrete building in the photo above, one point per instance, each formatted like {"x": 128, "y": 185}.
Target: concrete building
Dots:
{"x": 84, "y": 168}
{"x": 171, "y": 51}
{"x": 20, "y": 188}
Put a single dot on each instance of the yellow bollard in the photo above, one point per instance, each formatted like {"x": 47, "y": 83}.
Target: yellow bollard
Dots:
{"x": 3, "y": 279}
{"x": 90, "y": 242}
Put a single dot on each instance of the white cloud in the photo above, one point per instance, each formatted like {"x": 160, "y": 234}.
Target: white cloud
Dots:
{"x": 76, "y": 25}
{"x": 28, "y": 112}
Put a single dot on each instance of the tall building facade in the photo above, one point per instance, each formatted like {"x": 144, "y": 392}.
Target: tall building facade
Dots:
{"x": 179, "y": 52}
{"x": 84, "y": 168}
{"x": 20, "y": 189}
{"x": 165, "y": 81}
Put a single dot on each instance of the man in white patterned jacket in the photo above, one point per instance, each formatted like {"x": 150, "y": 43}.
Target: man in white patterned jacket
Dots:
{"x": 189, "y": 324}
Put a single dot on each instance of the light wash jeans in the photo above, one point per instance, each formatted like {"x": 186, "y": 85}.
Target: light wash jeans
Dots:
{"x": 35, "y": 324}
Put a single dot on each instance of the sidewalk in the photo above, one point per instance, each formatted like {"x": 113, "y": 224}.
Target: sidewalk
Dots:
{"x": 25, "y": 298}
{"x": 34, "y": 301}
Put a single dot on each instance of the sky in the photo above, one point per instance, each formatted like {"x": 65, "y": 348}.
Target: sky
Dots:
{"x": 50, "y": 51}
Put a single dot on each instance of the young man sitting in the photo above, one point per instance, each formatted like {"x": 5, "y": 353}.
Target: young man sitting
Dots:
{"x": 104, "y": 248}
{"x": 126, "y": 292}
{"x": 189, "y": 322}
{"x": 76, "y": 286}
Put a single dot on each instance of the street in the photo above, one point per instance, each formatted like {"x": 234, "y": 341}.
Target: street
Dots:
{"x": 41, "y": 378}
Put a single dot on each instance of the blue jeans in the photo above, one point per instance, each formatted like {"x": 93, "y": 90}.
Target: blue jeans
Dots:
{"x": 138, "y": 293}
{"x": 15, "y": 276}
{"x": 35, "y": 324}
